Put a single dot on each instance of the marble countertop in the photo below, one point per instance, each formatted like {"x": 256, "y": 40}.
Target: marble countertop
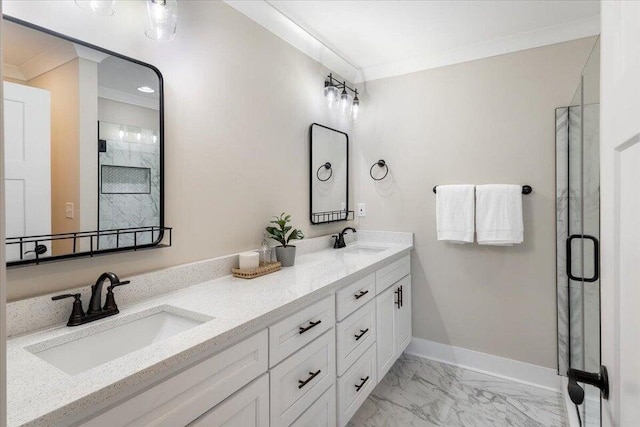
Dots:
{"x": 40, "y": 394}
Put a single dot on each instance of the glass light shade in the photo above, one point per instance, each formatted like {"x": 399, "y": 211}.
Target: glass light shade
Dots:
{"x": 99, "y": 7}
{"x": 355, "y": 109}
{"x": 331, "y": 95}
{"x": 163, "y": 19}
{"x": 345, "y": 103}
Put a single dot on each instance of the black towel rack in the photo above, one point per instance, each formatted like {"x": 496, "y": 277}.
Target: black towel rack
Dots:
{"x": 526, "y": 189}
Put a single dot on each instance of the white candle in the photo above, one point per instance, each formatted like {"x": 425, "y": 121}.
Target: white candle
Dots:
{"x": 249, "y": 260}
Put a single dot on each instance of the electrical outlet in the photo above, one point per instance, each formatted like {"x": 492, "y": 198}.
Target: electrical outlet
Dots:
{"x": 68, "y": 210}
{"x": 362, "y": 210}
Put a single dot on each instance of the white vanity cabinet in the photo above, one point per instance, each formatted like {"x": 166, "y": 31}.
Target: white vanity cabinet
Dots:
{"x": 247, "y": 408}
{"x": 185, "y": 396}
{"x": 393, "y": 313}
{"x": 313, "y": 368}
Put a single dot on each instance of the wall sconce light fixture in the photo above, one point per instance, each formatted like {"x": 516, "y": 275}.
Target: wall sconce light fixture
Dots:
{"x": 163, "y": 15}
{"x": 99, "y": 7}
{"x": 348, "y": 104}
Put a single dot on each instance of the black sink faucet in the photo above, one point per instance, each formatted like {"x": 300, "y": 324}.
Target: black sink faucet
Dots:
{"x": 95, "y": 304}
{"x": 96, "y": 310}
{"x": 339, "y": 243}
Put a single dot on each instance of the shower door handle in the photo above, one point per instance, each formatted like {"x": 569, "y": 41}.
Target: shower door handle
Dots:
{"x": 596, "y": 258}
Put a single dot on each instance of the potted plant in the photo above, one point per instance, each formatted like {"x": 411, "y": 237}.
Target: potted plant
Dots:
{"x": 285, "y": 253}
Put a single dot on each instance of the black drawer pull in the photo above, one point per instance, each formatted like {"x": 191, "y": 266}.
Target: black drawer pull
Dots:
{"x": 361, "y": 294}
{"x": 312, "y": 376}
{"x": 311, "y": 325}
{"x": 398, "y": 301}
{"x": 362, "y": 332}
{"x": 364, "y": 381}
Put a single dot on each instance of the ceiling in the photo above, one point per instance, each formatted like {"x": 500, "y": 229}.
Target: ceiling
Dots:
{"x": 29, "y": 52}
{"x": 384, "y": 38}
{"x": 126, "y": 76}
{"x": 22, "y": 44}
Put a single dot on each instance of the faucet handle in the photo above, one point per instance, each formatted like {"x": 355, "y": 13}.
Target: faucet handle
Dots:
{"x": 63, "y": 296}
{"x": 77, "y": 313}
{"x": 110, "y": 302}
{"x": 113, "y": 285}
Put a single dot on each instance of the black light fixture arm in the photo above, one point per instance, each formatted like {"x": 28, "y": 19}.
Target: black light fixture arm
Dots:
{"x": 340, "y": 85}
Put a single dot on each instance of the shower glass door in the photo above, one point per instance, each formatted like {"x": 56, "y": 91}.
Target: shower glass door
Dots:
{"x": 578, "y": 234}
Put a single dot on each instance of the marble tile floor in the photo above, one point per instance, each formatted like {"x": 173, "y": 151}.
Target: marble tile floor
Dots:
{"x": 422, "y": 392}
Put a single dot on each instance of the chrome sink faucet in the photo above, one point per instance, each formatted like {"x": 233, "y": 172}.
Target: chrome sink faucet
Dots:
{"x": 339, "y": 242}
{"x": 96, "y": 310}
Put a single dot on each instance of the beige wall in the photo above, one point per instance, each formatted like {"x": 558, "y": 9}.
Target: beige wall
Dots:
{"x": 239, "y": 102}
{"x": 62, "y": 83}
{"x": 88, "y": 146}
{"x": 127, "y": 114}
{"x": 486, "y": 121}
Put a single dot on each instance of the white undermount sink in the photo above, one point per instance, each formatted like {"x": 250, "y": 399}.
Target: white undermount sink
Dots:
{"x": 84, "y": 350}
{"x": 365, "y": 250}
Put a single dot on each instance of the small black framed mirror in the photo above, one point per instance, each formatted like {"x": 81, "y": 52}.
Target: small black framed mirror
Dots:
{"x": 84, "y": 148}
{"x": 328, "y": 175}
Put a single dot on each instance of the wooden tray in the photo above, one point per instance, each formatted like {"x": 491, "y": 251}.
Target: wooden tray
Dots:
{"x": 252, "y": 273}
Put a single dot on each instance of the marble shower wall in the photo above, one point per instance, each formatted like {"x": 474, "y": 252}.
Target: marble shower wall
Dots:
{"x": 129, "y": 147}
{"x": 577, "y": 212}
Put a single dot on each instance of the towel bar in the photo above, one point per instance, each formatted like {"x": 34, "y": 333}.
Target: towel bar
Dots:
{"x": 526, "y": 189}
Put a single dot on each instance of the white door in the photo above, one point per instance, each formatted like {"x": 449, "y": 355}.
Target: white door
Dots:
{"x": 620, "y": 205}
{"x": 27, "y": 144}
{"x": 403, "y": 315}
{"x": 386, "y": 304}
{"x": 247, "y": 408}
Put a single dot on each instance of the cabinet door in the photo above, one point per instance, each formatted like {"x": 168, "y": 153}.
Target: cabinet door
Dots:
{"x": 402, "y": 313}
{"x": 322, "y": 413}
{"x": 247, "y": 408}
{"x": 386, "y": 330}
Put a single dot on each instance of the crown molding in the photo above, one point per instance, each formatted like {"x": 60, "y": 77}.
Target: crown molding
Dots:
{"x": 273, "y": 20}
{"x": 47, "y": 61}
{"x": 529, "y": 40}
{"x": 12, "y": 72}
{"x": 127, "y": 98}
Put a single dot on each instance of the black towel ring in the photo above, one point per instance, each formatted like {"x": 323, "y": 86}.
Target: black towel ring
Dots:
{"x": 328, "y": 167}
{"x": 380, "y": 163}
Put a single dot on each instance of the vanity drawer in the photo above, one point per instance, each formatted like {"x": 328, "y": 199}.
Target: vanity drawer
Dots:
{"x": 182, "y": 398}
{"x": 299, "y": 380}
{"x": 247, "y": 408}
{"x": 393, "y": 272}
{"x": 354, "y": 296}
{"x": 356, "y": 333}
{"x": 322, "y": 413}
{"x": 299, "y": 329}
{"x": 355, "y": 385}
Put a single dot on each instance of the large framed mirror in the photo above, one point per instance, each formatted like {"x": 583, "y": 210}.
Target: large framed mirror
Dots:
{"x": 329, "y": 175}
{"x": 84, "y": 142}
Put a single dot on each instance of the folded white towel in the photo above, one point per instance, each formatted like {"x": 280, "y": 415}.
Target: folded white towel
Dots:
{"x": 454, "y": 213}
{"x": 499, "y": 215}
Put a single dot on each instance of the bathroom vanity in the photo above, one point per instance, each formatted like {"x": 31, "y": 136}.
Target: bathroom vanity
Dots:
{"x": 304, "y": 346}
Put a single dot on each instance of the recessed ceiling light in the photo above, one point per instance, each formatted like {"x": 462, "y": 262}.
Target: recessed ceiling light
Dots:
{"x": 146, "y": 89}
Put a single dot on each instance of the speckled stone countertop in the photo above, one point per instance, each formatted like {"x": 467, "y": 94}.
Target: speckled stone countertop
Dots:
{"x": 40, "y": 394}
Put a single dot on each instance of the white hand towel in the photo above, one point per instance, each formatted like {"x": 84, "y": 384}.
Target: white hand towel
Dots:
{"x": 454, "y": 213}
{"x": 499, "y": 215}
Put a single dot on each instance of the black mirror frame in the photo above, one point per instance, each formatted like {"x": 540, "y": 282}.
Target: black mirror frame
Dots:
{"x": 312, "y": 174}
{"x": 162, "y": 227}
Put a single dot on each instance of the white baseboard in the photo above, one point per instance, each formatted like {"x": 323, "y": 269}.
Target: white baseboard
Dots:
{"x": 537, "y": 376}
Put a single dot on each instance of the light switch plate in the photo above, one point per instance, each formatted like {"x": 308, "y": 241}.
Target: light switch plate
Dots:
{"x": 362, "y": 210}
{"x": 68, "y": 210}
